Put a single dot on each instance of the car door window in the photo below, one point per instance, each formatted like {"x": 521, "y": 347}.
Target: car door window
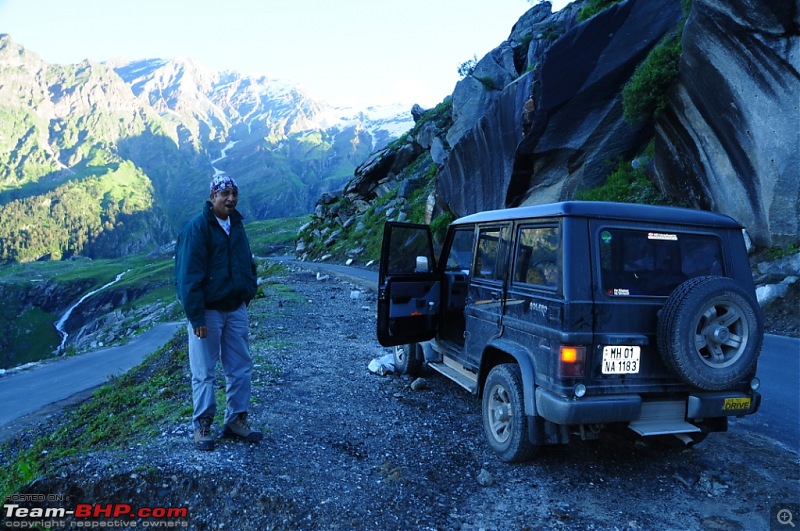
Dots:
{"x": 536, "y": 260}
{"x": 490, "y": 259}
{"x": 409, "y": 251}
{"x": 460, "y": 257}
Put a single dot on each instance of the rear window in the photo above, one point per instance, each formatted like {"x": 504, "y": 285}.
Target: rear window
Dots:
{"x": 651, "y": 263}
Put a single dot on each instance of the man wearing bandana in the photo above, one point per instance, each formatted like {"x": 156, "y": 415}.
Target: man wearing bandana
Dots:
{"x": 215, "y": 277}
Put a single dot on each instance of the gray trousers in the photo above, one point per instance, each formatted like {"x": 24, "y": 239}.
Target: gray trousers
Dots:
{"x": 227, "y": 342}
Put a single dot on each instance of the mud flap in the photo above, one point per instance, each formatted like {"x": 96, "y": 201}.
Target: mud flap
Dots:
{"x": 542, "y": 432}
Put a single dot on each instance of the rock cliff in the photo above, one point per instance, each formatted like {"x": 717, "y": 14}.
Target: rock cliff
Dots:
{"x": 543, "y": 117}
{"x": 577, "y": 125}
{"x": 730, "y": 139}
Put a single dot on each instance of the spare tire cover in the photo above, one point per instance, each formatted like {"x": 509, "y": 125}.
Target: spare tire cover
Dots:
{"x": 710, "y": 332}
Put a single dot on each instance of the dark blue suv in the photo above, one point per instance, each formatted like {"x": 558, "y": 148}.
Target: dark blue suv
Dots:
{"x": 576, "y": 317}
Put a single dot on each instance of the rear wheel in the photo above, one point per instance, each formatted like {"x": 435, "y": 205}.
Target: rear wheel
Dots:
{"x": 408, "y": 359}
{"x": 503, "y": 411}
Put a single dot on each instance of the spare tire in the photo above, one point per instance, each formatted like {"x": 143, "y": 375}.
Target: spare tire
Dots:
{"x": 710, "y": 332}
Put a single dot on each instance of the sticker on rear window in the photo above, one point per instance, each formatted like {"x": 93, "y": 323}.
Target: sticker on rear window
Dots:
{"x": 661, "y": 236}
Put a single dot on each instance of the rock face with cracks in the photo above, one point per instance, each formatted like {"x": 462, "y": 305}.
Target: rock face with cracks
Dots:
{"x": 540, "y": 119}
{"x": 729, "y": 139}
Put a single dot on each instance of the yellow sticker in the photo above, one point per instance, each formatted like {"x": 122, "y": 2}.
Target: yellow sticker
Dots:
{"x": 736, "y": 404}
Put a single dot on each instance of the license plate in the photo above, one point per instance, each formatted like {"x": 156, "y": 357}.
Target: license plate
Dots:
{"x": 736, "y": 404}
{"x": 621, "y": 359}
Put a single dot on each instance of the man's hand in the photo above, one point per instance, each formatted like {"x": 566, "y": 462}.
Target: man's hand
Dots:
{"x": 201, "y": 332}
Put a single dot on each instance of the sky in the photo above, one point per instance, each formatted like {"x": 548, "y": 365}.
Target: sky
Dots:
{"x": 344, "y": 52}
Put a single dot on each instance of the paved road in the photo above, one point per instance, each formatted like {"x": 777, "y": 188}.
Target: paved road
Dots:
{"x": 27, "y": 391}
{"x": 362, "y": 277}
{"x": 779, "y": 372}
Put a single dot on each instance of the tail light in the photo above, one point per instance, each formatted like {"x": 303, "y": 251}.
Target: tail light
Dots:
{"x": 571, "y": 361}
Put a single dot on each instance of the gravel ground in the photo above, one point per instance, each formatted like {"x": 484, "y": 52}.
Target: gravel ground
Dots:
{"x": 348, "y": 449}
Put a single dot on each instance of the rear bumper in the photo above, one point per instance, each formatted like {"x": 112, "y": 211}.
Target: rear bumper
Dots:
{"x": 562, "y": 410}
{"x": 709, "y": 405}
{"x": 625, "y": 408}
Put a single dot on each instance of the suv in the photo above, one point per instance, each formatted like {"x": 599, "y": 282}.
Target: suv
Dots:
{"x": 575, "y": 317}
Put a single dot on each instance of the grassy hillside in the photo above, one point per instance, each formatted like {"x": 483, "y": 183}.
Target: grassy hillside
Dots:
{"x": 38, "y": 293}
{"x": 90, "y": 214}
{"x": 133, "y": 407}
{"x": 274, "y": 236}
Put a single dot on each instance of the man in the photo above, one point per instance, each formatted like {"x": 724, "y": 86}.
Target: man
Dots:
{"x": 215, "y": 277}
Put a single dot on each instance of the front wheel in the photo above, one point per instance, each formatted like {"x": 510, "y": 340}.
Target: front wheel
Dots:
{"x": 503, "y": 411}
{"x": 408, "y": 359}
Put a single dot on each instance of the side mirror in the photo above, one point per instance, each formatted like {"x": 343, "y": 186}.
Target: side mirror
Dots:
{"x": 421, "y": 265}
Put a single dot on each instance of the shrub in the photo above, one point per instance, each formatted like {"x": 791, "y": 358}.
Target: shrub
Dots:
{"x": 628, "y": 184}
{"x": 488, "y": 83}
{"x": 439, "y": 225}
{"x": 467, "y": 67}
{"x": 593, "y": 7}
{"x": 645, "y": 95}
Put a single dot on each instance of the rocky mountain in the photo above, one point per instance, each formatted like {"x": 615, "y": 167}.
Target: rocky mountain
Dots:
{"x": 283, "y": 146}
{"x": 692, "y": 103}
{"x": 108, "y": 159}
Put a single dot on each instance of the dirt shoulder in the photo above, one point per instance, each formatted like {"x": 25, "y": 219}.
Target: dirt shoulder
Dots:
{"x": 348, "y": 449}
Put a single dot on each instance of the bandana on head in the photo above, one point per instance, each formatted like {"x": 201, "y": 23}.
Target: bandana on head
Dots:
{"x": 223, "y": 182}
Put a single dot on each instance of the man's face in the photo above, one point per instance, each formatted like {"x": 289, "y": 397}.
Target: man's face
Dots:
{"x": 224, "y": 202}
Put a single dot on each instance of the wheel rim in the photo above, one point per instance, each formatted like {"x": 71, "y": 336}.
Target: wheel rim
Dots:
{"x": 721, "y": 335}
{"x": 400, "y": 354}
{"x": 501, "y": 414}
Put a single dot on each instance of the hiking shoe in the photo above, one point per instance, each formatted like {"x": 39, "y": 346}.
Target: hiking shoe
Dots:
{"x": 238, "y": 428}
{"x": 202, "y": 435}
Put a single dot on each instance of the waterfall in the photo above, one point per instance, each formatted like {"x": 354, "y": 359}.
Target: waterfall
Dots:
{"x": 61, "y": 322}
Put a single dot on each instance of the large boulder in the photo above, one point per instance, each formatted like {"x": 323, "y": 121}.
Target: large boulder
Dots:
{"x": 369, "y": 174}
{"x": 476, "y": 173}
{"x": 552, "y": 132}
{"x": 477, "y": 92}
{"x": 730, "y": 140}
{"x": 577, "y": 126}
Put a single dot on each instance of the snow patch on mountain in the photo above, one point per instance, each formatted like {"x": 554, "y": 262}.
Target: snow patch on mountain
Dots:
{"x": 269, "y": 108}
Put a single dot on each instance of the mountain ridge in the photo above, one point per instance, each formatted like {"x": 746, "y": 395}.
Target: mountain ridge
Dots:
{"x": 500, "y": 139}
{"x": 67, "y": 124}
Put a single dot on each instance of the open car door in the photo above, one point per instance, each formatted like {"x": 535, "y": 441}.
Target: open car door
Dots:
{"x": 409, "y": 290}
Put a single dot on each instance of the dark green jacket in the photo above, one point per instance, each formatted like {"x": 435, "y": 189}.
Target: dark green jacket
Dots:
{"x": 213, "y": 270}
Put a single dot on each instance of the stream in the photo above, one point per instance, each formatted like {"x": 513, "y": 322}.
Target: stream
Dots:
{"x": 61, "y": 322}
{"x": 223, "y": 154}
